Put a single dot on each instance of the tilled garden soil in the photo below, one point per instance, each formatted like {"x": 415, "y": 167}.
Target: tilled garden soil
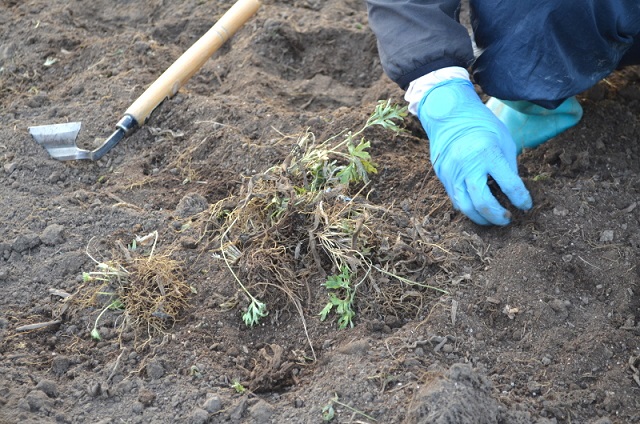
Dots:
{"x": 533, "y": 323}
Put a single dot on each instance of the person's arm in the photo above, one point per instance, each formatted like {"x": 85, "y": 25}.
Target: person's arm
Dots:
{"x": 417, "y": 37}
{"x": 426, "y": 52}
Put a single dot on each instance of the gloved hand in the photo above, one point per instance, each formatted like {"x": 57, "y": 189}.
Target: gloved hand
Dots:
{"x": 531, "y": 125}
{"x": 468, "y": 143}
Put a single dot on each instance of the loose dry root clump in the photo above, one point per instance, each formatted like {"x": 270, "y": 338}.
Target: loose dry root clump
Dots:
{"x": 145, "y": 292}
{"x": 154, "y": 295}
{"x": 306, "y": 228}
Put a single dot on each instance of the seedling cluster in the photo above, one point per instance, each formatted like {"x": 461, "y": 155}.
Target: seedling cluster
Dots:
{"x": 306, "y": 224}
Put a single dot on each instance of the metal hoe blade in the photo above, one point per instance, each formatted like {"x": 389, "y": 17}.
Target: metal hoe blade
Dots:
{"x": 60, "y": 139}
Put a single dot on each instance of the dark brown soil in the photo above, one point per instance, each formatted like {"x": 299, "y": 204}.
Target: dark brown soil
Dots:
{"x": 540, "y": 320}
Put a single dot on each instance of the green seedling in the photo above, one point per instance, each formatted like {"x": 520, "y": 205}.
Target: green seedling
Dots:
{"x": 322, "y": 162}
{"x": 328, "y": 413}
{"x": 238, "y": 387}
{"x": 360, "y": 165}
{"x": 384, "y": 115}
{"x": 341, "y": 296}
{"x": 194, "y": 371}
{"x": 115, "y": 305}
{"x": 105, "y": 273}
{"x": 278, "y": 206}
{"x": 255, "y": 311}
{"x": 541, "y": 177}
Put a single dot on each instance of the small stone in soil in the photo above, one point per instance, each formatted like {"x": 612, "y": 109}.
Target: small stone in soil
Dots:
{"x": 137, "y": 407}
{"x": 53, "y": 235}
{"x": 238, "y": 410}
{"x": 26, "y": 242}
{"x": 95, "y": 389}
{"x": 48, "y": 387}
{"x": 60, "y": 365}
{"x": 155, "y": 370}
{"x": 261, "y": 412}
{"x": 9, "y": 168}
{"x": 606, "y": 236}
{"x": 198, "y": 416}
{"x": 213, "y": 403}
{"x": 146, "y": 396}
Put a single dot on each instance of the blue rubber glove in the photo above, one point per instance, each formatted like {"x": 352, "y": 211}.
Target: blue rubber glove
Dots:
{"x": 531, "y": 125}
{"x": 468, "y": 143}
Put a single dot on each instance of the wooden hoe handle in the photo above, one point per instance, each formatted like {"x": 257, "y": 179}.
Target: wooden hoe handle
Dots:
{"x": 192, "y": 60}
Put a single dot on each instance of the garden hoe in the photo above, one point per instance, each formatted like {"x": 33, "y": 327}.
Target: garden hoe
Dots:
{"x": 60, "y": 139}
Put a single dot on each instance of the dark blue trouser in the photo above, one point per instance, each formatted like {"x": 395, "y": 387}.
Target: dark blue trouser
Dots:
{"x": 548, "y": 50}
{"x": 632, "y": 56}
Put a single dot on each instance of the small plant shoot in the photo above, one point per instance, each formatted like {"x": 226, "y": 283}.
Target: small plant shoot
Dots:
{"x": 255, "y": 311}
{"x": 341, "y": 296}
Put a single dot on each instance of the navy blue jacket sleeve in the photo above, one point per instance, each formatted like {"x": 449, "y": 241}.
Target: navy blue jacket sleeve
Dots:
{"x": 416, "y": 37}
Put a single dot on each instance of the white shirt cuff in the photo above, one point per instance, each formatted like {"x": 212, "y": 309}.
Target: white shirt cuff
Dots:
{"x": 420, "y": 86}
